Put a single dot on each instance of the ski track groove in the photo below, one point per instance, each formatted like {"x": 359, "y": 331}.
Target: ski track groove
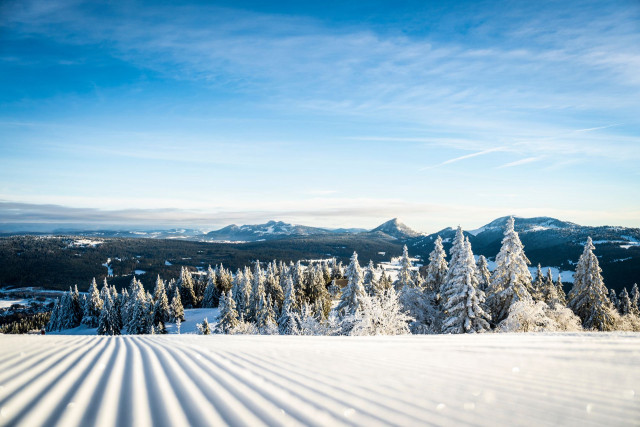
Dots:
{"x": 532, "y": 379}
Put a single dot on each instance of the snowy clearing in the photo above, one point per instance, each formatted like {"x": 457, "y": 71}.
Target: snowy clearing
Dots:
{"x": 491, "y": 379}
{"x": 4, "y": 303}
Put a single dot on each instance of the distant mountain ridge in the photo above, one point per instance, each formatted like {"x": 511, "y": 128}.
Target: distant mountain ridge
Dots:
{"x": 396, "y": 229}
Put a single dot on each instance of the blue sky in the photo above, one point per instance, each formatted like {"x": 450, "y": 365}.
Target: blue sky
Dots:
{"x": 334, "y": 114}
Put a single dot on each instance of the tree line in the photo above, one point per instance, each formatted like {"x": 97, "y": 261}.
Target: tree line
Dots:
{"x": 460, "y": 295}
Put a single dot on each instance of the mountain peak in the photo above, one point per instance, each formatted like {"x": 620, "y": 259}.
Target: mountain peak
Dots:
{"x": 395, "y": 228}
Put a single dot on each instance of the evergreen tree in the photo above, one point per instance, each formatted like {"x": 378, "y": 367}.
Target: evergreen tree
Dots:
{"x": 549, "y": 292}
{"x": 140, "y": 320}
{"x": 588, "y": 298}
{"x": 117, "y": 308}
{"x": 185, "y": 287}
{"x": 211, "y": 292}
{"x": 318, "y": 293}
{"x": 634, "y": 300}
{"x": 228, "y": 317}
{"x": 615, "y": 302}
{"x": 484, "y": 276}
{"x": 511, "y": 278}
{"x": 456, "y": 252}
{"x": 354, "y": 292}
{"x": 107, "y": 323}
{"x": 437, "y": 268}
{"x": 77, "y": 306}
{"x": 289, "y": 320}
{"x": 625, "y": 302}
{"x": 462, "y": 308}
{"x": 404, "y": 275}
{"x": 272, "y": 286}
{"x": 66, "y": 311}
{"x": 93, "y": 306}
{"x": 161, "y": 309}
{"x": 369, "y": 278}
{"x": 562, "y": 297}
{"x": 537, "y": 285}
{"x": 54, "y": 320}
{"x": 177, "y": 311}
{"x": 224, "y": 279}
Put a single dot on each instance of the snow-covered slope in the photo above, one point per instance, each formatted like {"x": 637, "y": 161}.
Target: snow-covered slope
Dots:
{"x": 506, "y": 379}
{"x": 396, "y": 229}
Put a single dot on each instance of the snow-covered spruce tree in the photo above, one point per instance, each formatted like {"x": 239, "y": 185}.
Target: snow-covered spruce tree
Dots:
{"x": 272, "y": 286}
{"x": 537, "y": 285}
{"x": 549, "y": 292}
{"x": 369, "y": 278}
{"x": 264, "y": 314}
{"x": 562, "y": 297}
{"x": 117, "y": 308}
{"x": 140, "y": 317}
{"x": 108, "y": 323}
{"x": 381, "y": 315}
{"x": 588, "y": 298}
{"x": 77, "y": 306}
{"x": 437, "y": 268}
{"x": 297, "y": 275}
{"x": 185, "y": 287}
{"x": 463, "y": 311}
{"x": 257, "y": 293}
{"x": 615, "y": 302}
{"x": 635, "y": 295}
{"x": 404, "y": 274}
{"x": 353, "y": 292}
{"x": 228, "y": 317}
{"x": 66, "y": 311}
{"x": 204, "y": 328}
{"x": 383, "y": 283}
{"x": 211, "y": 295}
{"x": 177, "y": 310}
{"x": 93, "y": 306}
{"x": 54, "y": 320}
{"x": 318, "y": 293}
{"x": 511, "y": 277}
{"x": 309, "y": 324}
{"x": 161, "y": 309}
{"x": 624, "y": 306}
{"x": 484, "y": 276}
{"x": 455, "y": 253}
{"x": 289, "y": 320}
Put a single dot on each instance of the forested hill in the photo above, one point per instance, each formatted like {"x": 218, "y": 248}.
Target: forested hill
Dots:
{"x": 63, "y": 261}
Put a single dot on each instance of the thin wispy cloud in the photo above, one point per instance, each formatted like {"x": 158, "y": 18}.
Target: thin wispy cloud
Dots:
{"x": 519, "y": 162}
{"x": 466, "y": 156}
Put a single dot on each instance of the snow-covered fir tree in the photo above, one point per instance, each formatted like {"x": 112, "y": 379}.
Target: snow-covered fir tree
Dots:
{"x": 272, "y": 286}
{"x": 108, "y": 323}
{"x": 369, "y": 278}
{"x": 224, "y": 279}
{"x": 211, "y": 295}
{"x": 185, "y": 287}
{"x": 615, "y": 302}
{"x": 635, "y": 296}
{"x": 511, "y": 277}
{"x": 484, "y": 276}
{"x": 437, "y": 268}
{"x": 140, "y": 318}
{"x": 77, "y": 305}
{"x": 537, "y": 285}
{"x": 93, "y": 306}
{"x": 624, "y": 305}
{"x": 177, "y": 310}
{"x": 562, "y": 296}
{"x": 161, "y": 308}
{"x": 318, "y": 294}
{"x": 353, "y": 292}
{"x": 66, "y": 320}
{"x": 463, "y": 311}
{"x": 405, "y": 278}
{"x": 549, "y": 292}
{"x": 228, "y": 318}
{"x": 589, "y": 297}
{"x": 289, "y": 320}
{"x": 54, "y": 320}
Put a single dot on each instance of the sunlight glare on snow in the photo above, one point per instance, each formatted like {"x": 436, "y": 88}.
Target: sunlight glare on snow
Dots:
{"x": 515, "y": 369}
{"x": 441, "y": 407}
{"x": 589, "y": 408}
{"x": 628, "y": 394}
{"x": 349, "y": 412}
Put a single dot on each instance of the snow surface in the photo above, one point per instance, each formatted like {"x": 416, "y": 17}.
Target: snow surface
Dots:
{"x": 491, "y": 379}
{"x": 4, "y": 303}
